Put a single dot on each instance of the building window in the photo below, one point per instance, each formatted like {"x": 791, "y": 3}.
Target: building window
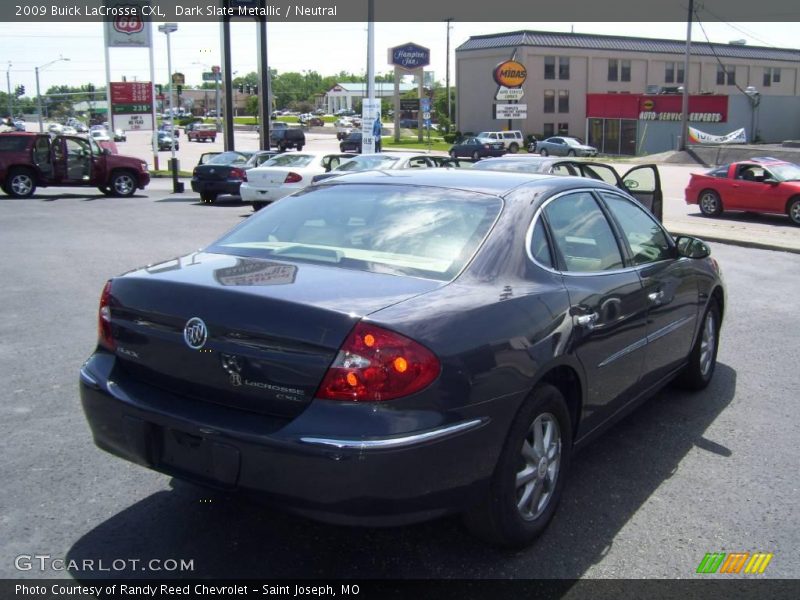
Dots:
{"x": 613, "y": 69}
{"x": 625, "y": 71}
{"x": 563, "y": 101}
{"x": 549, "y": 101}
{"x": 563, "y": 67}
{"x": 771, "y": 75}
{"x": 673, "y": 72}
{"x": 563, "y": 129}
{"x": 549, "y": 67}
{"x": 549, "y": 130}
{"x": 726, "y": 75}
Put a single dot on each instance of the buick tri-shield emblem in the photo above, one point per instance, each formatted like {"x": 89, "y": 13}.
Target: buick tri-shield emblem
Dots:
{"x": 195, "y": 333}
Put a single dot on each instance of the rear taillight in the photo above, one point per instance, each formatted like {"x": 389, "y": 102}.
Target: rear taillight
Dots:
{"x": 487, "y": 146}
{"x": 293, "y": 177}
{"x": 104, "y": 335}
{"x": 237, "y": 174}
{"x": 194, "y": 172}
{"x": 374, "y": 365}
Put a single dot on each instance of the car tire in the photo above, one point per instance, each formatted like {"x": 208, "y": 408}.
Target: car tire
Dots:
{"x": 20, "y": 183}
{"x": 122, "y": 184}
{"x": 697, "y": 374}
{"x": 453, "y": 154}
{"x": 258, "y": 205}
{"x": 793, "y": 210}
{"x": 513, "y": 147}
{"x": 299, "y": 148}
{"x": 529, "y": 477}
{"x": 710, "y": 203}
{"x": 571, "y": 153}
{"x": 476, "y": 156}
{"x": 543, "y": 152}
{"x": 208, "y": 197}
{"x": 282, "y": 147}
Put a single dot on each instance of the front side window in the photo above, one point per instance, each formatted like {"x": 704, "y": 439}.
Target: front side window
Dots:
{"x": 392, "y": 229}
{"x": 582, "y": 235}
{"x": 644, "y": 236}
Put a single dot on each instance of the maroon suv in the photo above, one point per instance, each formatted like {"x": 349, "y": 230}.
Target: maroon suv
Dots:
{"x": 28, "y": 160}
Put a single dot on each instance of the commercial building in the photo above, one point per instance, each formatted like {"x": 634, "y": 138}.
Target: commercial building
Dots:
{"x": 622, "y": 93}
{"x": 346, "y": 95}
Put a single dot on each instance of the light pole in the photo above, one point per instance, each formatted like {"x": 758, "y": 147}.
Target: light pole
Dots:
{"x": 448, "y": 20}
{"x": 166, "y": 29}
{"x": 38, "y": 93}
{"x": 216, "y": 71}
{"x": 10, "y": 101}
{"x": 755, "y": 99}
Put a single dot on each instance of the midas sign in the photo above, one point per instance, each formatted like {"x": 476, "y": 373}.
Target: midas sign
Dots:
{"x": 510, "y": 74}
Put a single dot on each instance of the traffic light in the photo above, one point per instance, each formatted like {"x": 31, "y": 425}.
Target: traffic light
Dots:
{"x": 20, "y": 91}
{"x": 159, "y": 89}
{"x": 90, "y": 87}
{"x": 247, "y": 89}
{"x": 241, "y": 88}
{"x": 179, "y": 89}
{"x": 255, "y": 90}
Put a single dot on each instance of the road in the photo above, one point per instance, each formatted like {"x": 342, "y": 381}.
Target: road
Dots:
{"x": 684, "y": 475}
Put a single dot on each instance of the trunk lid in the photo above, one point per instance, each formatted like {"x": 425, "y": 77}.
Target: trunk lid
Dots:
{"x": 212, "y": 172}
{"x": 272, "y": 328}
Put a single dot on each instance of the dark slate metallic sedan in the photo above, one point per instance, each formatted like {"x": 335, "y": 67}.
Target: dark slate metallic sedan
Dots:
{"x": 385, "y": 347}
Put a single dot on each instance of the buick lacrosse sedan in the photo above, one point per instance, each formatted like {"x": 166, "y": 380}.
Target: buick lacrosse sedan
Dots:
{"x": 387, "y": 347}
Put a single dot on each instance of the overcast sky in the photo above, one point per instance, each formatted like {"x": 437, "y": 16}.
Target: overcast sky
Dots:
{"x": 323, "y": 47}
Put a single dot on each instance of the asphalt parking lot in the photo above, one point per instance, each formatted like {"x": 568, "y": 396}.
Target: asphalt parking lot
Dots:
{"x": 684, "y": 475}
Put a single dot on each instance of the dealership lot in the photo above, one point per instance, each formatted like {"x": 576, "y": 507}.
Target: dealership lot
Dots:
{"x": 682, "y": 476}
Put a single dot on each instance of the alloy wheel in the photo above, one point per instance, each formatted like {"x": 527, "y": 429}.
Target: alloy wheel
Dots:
{"x": 21, "y": 184}
{"x": 540, "y": 459}
{"x": 707, "y": 343}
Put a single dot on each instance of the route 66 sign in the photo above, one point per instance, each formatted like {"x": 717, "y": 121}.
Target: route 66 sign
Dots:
{"x": 128, "y": 29}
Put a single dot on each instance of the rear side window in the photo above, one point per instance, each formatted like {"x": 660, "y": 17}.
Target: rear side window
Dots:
{"x": 582, "y": 234}
{"x": 13, "y": 143}
{"x": 540, "y": 249}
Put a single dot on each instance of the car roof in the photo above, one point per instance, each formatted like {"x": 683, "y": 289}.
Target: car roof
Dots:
{"x": 766, "y": 160}
{"x": 497, "y": 183}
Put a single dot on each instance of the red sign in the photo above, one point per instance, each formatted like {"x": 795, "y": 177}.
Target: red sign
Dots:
{"x": 658, "y": 107}
{"x": 131, "y": 92}
{"x": 128, "y": 24}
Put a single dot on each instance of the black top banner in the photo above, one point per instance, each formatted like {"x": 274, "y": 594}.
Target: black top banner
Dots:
{"x": 394, "y": 10}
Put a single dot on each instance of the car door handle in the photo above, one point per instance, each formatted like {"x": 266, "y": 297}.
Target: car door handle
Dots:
{"x": 656, "y": 297}
{"x": 587, "y": 321}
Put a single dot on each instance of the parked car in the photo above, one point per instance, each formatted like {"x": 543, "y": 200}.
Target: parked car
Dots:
{"x": 99, "y": 135}
{"x": 408, "y": 124}
{"x": 30, "y": 160}
{"x": 352, "y": 143}
{"x": 207, "y": 156}
{"x": 288, "y": 137}
{"x": 383, "y": 161}
{"x": 314, "y": 122}
{"x": 221, "y": 174}
{"x": 513, "y": 139}
{"x": 387, "y": 349}
{"x": 285, "y": 174}
{"x": 477, "y": 148}
{"x": 165, "y": 141}
{"x": 643, "y": 182}
{"x": 201, "y": 132}
{"x": 564, "y": 146}
{"x": 759, "y": 185}
{"x": 120, "y": 135}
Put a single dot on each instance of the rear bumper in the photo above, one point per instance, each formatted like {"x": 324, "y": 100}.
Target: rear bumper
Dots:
{"x": 251, "y": 193}
{"x": 314, "y": 464}
{"x": 217, "y": 187}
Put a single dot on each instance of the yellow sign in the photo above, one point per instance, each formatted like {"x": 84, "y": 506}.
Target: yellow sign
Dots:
{"x": 510, "y": 74}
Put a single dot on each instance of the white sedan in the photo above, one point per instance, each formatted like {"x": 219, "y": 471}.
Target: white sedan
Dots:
{"x": 285, "y": 174}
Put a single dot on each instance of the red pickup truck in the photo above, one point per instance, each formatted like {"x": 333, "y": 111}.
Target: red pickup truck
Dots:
{"x": 31, "y": 160}
{"x": 200, "y": 132}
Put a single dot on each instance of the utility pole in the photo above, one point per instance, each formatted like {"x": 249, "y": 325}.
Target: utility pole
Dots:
{"x": 447, "y": 69}
{"x": 10, "y": 101}
{"x": 166, "y": 29}
{"x": 685, "y": 100}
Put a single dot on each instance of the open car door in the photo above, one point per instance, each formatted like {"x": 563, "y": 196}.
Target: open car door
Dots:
{"x": 644, "y": 183}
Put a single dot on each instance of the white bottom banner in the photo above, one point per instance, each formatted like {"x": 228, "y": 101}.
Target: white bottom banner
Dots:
{"x": 700, "y": 137}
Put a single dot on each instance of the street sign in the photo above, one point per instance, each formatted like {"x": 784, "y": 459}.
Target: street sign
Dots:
{"x": 211, "y": 76}
{"x": 426, "y": 116}
{"x": 505, "y": 94}
{"x": 178, "y": 79}
{"x": 409, "y": 104}
{"x": 511, "y": 111}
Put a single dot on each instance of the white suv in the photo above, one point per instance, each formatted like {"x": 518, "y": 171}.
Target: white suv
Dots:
{"x": 513, "y": 139}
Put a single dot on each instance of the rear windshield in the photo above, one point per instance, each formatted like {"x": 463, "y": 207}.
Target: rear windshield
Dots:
{"x": 367, "y": 162}
{"x": 289, "y": 160}
{"x": 515, "y": 166}
{"x": 228, "y": 158}
{"x": 396, "y": 229}
{"x": 13, "y": 143}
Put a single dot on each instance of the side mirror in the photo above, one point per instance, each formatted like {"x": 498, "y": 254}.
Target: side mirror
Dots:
{"x": 106, "y": 151}
{"x": 771, "y": 181}
{"x": 691, "y": 247}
